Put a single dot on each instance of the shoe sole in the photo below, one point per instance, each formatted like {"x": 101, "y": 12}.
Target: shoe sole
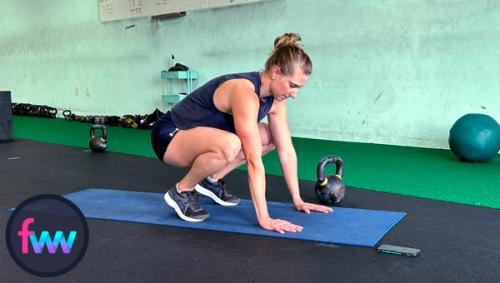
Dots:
{"x": 211, "y": 195}
{"x": 177, "y": 209}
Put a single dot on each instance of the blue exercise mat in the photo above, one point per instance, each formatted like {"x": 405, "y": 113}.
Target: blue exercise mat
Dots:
{"x": 348, "y": 226}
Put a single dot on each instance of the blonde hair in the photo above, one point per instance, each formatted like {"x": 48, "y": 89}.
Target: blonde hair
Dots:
{"x": 286, "y": 53}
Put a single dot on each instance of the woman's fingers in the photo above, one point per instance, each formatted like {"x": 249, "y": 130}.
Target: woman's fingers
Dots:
{"x": 283, "y": 226}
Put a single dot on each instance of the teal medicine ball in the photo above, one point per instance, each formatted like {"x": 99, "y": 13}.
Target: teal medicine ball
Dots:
{"x": 475, "y": 138}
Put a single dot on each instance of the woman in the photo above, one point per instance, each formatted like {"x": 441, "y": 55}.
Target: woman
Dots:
{"x": 216, "y": 128}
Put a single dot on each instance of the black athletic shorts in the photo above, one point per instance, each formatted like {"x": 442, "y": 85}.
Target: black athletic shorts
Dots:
{"x": 162, "y": 134}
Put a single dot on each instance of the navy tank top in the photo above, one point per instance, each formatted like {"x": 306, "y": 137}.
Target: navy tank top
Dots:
{"x": 198, "y": 108}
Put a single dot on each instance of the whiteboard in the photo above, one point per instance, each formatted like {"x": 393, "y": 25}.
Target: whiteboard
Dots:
{"x": 110, "y": 10}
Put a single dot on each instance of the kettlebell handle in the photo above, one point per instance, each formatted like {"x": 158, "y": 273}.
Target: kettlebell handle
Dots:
{"x": 339, "y": 163}
{"x": 100, "y": 127}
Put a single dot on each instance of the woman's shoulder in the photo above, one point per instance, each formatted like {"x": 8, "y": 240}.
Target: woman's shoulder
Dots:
{"x": 252, "y": 76}
{"x": 245, "y": 79}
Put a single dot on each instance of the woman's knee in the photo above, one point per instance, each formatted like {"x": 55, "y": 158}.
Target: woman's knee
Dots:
{"x": 231, "y": 147}
{"x": 266, "y": 138}
{"x": 265, "y": 134}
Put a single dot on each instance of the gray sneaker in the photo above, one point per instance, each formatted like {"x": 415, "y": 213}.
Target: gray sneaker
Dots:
{"x": 217, "y": 192}
{"x": 186, "y": 205}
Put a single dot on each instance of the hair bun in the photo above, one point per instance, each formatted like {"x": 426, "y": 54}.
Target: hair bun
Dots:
{"x": 287, "y": 39}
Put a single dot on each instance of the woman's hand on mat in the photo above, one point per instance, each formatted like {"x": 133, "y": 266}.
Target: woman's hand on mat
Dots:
{"x": 308, "y": 207}
{"x": 280, "y": 226}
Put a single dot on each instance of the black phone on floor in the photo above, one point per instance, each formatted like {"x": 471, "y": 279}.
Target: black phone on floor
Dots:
{"x": 397, "y": 250}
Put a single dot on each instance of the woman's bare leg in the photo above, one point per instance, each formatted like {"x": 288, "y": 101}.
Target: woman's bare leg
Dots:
{"x": 209, "y": 152}
{"x": 205, "y": 150}
{"x": 267, "y": 146}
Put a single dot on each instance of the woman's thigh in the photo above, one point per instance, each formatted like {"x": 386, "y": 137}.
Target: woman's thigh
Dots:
{"x": 187, "y": 145}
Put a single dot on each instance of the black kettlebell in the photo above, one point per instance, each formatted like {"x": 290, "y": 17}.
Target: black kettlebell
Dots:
{"x": 98, "y": 144}
{"x": 330, "y": 189}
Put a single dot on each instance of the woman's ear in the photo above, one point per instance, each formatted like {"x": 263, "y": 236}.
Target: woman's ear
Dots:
{"x": 275, "y": 72}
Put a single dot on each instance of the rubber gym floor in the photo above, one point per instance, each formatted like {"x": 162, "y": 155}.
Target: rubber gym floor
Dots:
{"x": 452, "y": 212}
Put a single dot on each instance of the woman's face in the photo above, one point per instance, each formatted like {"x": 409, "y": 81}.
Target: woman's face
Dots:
{"x": 285, "y": 86}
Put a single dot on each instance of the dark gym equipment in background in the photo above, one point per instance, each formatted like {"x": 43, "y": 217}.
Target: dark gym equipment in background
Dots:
{"x": 6, "y": 133}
